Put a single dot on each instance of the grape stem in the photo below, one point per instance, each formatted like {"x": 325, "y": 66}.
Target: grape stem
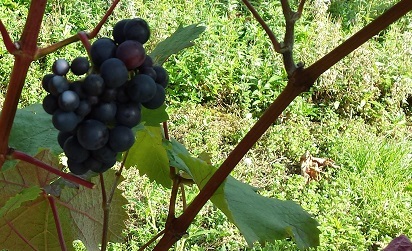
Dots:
{"x": 57, "y": 222}
{"x": 10, "y": 46}
{"x": 14, "y": 154}
{"x": 106, "y": 212}
{"x": 299, "y": 81}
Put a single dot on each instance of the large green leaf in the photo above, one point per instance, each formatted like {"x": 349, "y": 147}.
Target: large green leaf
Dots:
{"x": 153, "y": 117}
{"x": 32, "y": 130}
{"x": 149, "y": 155}
{"x": 27, "y": 222}
{"x": 179, "y": 40}
{"x": 258, "y": 218}
{"x": 84, "y": 207}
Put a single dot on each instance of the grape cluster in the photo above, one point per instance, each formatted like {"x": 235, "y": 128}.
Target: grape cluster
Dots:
{"x": 96, "y": 113}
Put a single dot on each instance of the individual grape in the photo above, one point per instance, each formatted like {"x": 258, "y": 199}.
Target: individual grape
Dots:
{"x": 62, "y": 137}
{"x": 84, "y": 108}
{"x": 157, "y": 100}
{"x": 50, "y": 104}
{"x": 93, "y": 85}
{"x": 77, "y": 168}
{"x": 104, "y": 166}
{"x": 128, "y": 114}
{"x": 69, "y": 101}
{"x": 57, "y": 85}
{"x": 132, "y": 54}
{"x": 109, "y": 95}
{"x": 137, "y": 29}
{"x": 148, "y": 71}
{"x": 45, "y": 81}
{"x": 114, "y": 73}
{"x": 77, "y": 87}
{"x": 74, "y": 151}
{"x": 118, "y": 31}
{"x": 80, "y": 66}
{"x": 93, "y": 164}
{"x": 92, "y": 134}
{"x": 104, "y": 154}
{"x": 121, "y": 138}
{"x": 148, "y": 62}
{"x": 104, "y": 112}
{"x": 60, "y": 67}
{"x": 122, "y": 96}
{"x": 64, "y": 121}
{"x": 162, "y": 77}
{"x": 93, "y": 100}
{"x": 142, "y": 88}
{"x": 101, "y": 50}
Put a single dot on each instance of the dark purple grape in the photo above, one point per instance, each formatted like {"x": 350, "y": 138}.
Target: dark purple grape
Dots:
{"x": 64, "y": 121}
{"x": 128, "y": 114}
{"x": 77, "y": 168}
{"x": 142, "y": 88}
{"x": 104, "y": 112}
{"x": 122, "y": 96}
{"x": 92, "y": 134}
{"x": 104, "y": 154}
{"x": 74, "y": 151}
{"x": 84, "y": 108}
{"x": 77, "y": 87}
{"x": 80, "y": 66}
{"x": 104, "y": 166}
{"x": 69, "y": 101}
{"x": 121, "y": 138}
{"x": 45, "y": 81}
{"x": 57, "y": 85}
{"x": 137, "y": 29}
{"x": 118, "y": 31}
{"x": 157, "y": 100}
{"x": 148, "y": 71}
{"x": 162, "y": 77}
{"x": 101, "y": 50}
{"x": 60, "y": 67}
{"x": 93, "y": 100}
{"x": 131, "y": 53}
{"x": 62, "y": 137}
{"x": 93, "y": 85}
{"x": 93, "y": 164}
{"x": 109, "y": 95}
{"x": 50, "y": 104}
{"x": 148, "y": 62}
{"x": 114, "y": 73}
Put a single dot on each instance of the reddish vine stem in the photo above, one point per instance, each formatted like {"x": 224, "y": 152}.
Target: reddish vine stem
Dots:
{"x": 272, "y": 37}
{"x": 153, "y": 239}
{"x": 14, "y": 154}
{"x": 10, "y": 46}
{"x": 54, "y": 47}
{"x": 106, "y": 211}
{"x": 57, "y": 223}
{"x": 300, "y": 81}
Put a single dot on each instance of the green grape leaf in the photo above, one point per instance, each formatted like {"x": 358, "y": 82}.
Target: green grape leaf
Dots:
{"x": 149, "y": 155}
{"x": 259, "y": 219}
{"x": 15, "y": 202}
{"x": 153, "y": 117}
{"x": 179, "y": 40}
{"x": 32, "y": 130}
{"x": 29, "y": 223}
{"x": 84, "y": 207}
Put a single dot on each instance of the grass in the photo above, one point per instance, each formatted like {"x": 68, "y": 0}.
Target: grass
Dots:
{"x": 357, "y": 114}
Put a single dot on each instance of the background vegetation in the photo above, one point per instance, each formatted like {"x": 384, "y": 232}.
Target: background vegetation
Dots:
{"x": 358, "y": 114}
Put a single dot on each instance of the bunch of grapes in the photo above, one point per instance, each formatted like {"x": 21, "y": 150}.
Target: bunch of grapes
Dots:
{"x": 96, "y": 113}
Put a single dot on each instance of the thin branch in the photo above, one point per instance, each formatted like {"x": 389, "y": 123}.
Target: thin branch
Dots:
{"x": 57, "y": 223}
{"x": 106, "y": 211}
{"x": 289, "y": 39}
{"x": 116, "y": 181}
{"x": 10, "y": 46}
{"x": 300, "y": 8}
{"x": 172, "y": 204}
{"x": 272, "y": 37}
{"x": 153, "y": 239}
{"x": 109, "y": 12}
{"x": 54, "y": 47}
{"x": 14, "y": 154}
{"x": 182, "y": 189}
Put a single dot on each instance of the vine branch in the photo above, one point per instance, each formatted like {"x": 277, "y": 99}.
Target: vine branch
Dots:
{"x": 106, "y": 211}
{"x": 10, "y": 46}
{"x": 57, "y": 223}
